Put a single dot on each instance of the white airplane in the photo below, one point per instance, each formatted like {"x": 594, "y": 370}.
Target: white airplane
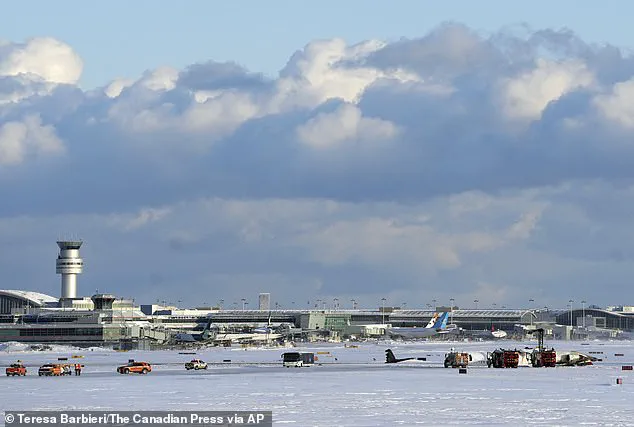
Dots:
{"x": 437, "y": 325}
{"x": 493, "y": 333}
{"x": 241, "y": 337}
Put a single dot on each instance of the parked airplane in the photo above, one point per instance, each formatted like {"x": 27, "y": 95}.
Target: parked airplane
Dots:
{"x": 246, "y": 337}
{"x": 493, "y": 333}
{"x": 268, "y": 329}
{"x": 437, "y": 325}
{"x": 206, "y": 335}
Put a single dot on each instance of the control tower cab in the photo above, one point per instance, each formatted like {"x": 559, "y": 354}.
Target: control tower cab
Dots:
{"x": 69, "y": 265}
{"x": 103, "y": 301}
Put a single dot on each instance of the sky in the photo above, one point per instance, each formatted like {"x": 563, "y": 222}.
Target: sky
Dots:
{"x": 320, "y": 150}
{"x": 122, "y": 39}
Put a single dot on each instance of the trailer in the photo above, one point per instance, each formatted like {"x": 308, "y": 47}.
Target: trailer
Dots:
{"x": 297, "y": 360}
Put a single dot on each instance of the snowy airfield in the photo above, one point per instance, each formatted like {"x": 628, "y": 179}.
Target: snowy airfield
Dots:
{"x": 356, "y": 389}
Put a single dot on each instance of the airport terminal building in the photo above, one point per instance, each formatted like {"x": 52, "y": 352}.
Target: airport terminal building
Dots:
{"x": 103, "y": 319}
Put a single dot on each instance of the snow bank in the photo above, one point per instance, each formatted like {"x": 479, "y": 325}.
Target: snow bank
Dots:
{"x": 17, "y": 347}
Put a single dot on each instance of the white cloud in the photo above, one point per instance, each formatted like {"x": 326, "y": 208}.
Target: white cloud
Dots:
{"x": 115, "y": 87}
{"x": 36, "y": 67}
{"x": 20, "y": 139}
{"x": 140, "y": 219}
{"x": 526, "y": 95}
{"x": 403, "y": 243}
{"x": 160, "y": 79}
{"x": 523, "y": 227}
{"x": 617, "y": 105}
{"x": 328, "y": 130}
{"x": 319, "y": 73}
{"x": 46, "y": 58}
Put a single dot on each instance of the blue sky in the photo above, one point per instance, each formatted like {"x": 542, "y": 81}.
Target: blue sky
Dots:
{"x": 122, "y": 38}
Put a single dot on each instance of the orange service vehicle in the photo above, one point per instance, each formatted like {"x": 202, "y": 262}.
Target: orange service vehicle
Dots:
{"x": 16, "y": 369}
{"x": 135, "y": 367}
{"x": 51, "y": 370}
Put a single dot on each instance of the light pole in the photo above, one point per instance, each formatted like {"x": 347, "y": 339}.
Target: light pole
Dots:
{"x": 451, "y": 300}
{"x": 475, "y": 301}
{"x": 583, "y": 313}
{"x": 530, "y": 305}
{"x": 383, "y": 311}
{"x": 571, "y": 301}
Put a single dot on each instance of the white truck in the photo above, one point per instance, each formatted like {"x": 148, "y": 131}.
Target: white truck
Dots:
{"x": 195, "y": 364}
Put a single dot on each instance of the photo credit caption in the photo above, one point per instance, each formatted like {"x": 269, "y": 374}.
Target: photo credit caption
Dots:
{"x": 139, "y": 418}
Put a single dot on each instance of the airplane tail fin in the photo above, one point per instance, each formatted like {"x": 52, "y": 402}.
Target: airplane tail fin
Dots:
{"x": 389, "y": 356}
{"x": 432, "y": 321}
{"x": 206, "y": 332}
{"x": 441, "y": 323}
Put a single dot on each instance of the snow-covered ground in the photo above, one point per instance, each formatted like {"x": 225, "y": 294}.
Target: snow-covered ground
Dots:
{"x": 353, "y": 387}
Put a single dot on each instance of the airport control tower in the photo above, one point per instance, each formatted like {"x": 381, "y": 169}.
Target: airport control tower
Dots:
{"x": 69, "y": 265}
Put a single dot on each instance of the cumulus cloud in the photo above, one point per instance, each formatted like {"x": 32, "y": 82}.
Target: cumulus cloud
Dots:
{"x": 19, "y": 140}
{"x": 527, "y": 95}
{"x": 446, "y": 163}
{"x": 616, "y": 105}
{"x": 345, "y": 124}
{"x": 35, "y": 67}
{"x": 45, "y": 58}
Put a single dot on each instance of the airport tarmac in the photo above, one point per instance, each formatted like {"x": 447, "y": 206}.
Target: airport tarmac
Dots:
{"x": 356, "y": 389}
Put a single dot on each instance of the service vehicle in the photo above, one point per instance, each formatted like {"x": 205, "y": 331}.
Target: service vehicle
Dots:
{"x": 195, "y": 364}
{"x": 16, "y": 369}
{"x": 135, "y": 368}
{"x": 457, "y": 360}
{"x": 543, "y": 357}
{"x": 297, "y": 359}
{"x": 52, "y": 370}
{"x": 504, "y": 359}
